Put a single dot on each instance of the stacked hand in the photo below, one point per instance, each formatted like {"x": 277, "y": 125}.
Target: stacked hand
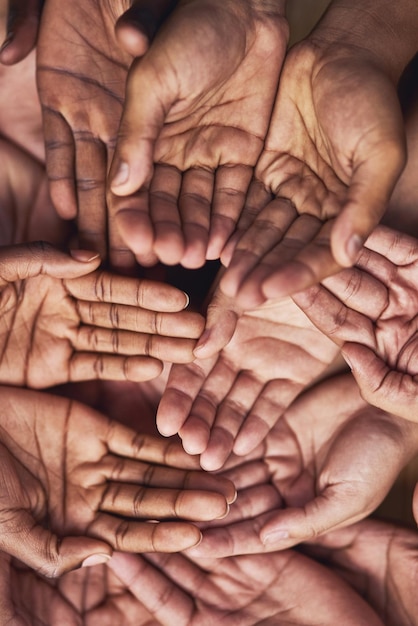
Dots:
{"x": 75, "y": 485}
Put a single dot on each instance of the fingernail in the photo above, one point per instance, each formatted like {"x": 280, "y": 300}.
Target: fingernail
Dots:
{"x": 275, "y": 537}
{"x": 84, "y": 256}
{"x": 347, "y": 360}
{"x": 204, "y": 338}
{"x": 354, "y": 246}
{"x": 121, "y": 175}
{"x": 187, "y": 300}
{"x": 224, "y": 514}
{"x": 95, "y": 559}
{"x": 6, "y": 42}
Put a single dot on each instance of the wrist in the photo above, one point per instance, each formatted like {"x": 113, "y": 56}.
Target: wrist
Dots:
{"x": 379, "y": 31}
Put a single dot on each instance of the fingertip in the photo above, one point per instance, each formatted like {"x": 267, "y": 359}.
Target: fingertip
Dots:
{"x": 85, "y": 256}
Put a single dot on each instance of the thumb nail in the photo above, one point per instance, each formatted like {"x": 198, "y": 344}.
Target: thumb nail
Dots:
{"x": 347, "y": 360}
{"x": 84, "y": 256}
{"x": 95, "y": 559}
{"x": 122, "y": 175}
{"x": 204, "y": 339}
{"x": 354, "y": 246}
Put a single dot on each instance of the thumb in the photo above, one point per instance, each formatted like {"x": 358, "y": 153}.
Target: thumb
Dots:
{"x": 33, "y": 259}
{"x": 389, "y": 390}
{"x": 221, "y": 320}
{"x": 22, "y": 30}
{"x": 135, "y": 29}
{"x": 46, "y": 553}
{"x": 368, "y": 196}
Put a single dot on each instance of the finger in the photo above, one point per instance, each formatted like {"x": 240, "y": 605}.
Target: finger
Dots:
{"x": 267, "y": 230}
{"x": 22, "y": 30}
{"x": 415, "y": 503}
{"x": 23, "y": 261}
{"x": 183, "y": 386}
{"x": 128, "y": 536}
{"x": 130, "y": 221}
{"x": 389, "y": 390}
{"x": 153, "y": 325}
{"x": 149, "y": 585}
{"x": 126, "y": 470}
{"x": 398, "y": 248}
{"x": 90, "y": 172}
{"x": 165, "y": 217}
{"x": 85, "y": 366}
{"x": 136, "y": 28}
{"x": 369, "y": 193}
{"x": 157, "y": 504}
{"x": 168, "y": 349}
{"x": 221, "y": 320}
{"x": 195, "y": 207}
{"x": 148, "y": 98}
{"x": 231, "y": 186}
{"x": 334, "y": 318}
{"x": 46, "y": 553}
{"x": 60, "y": 159}
{"x": 147, "y": 294}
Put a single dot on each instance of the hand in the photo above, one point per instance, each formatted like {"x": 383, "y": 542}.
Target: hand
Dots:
{"x": 82, "y": 72}
{"x": 75, "y": 485}
{"x": 95, "y": 597}
{"x": 371, "y": 311}
{"x": 61, "y": 321}
{"x": 332, "y": 459}
{"x": 198, "y": 105}
{"x": 244, "y": 591}
{"x": 334, "y": 151}
{"x": 379, "y": 560}
{"x": 230, "y": 401}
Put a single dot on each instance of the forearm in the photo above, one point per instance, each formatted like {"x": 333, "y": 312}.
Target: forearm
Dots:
{"x": 383, "y": 30}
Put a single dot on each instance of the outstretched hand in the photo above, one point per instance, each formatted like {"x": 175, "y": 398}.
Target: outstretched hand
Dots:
{"x": 372, "y": 311}
{"x": 332, "y": 459}
{"x": 332, "y": 156}
{"x": 75, "y": 485}
{"x": 229, "y": 401}
{"x": 61, "y": 321}
{"x": 198, "y": 105}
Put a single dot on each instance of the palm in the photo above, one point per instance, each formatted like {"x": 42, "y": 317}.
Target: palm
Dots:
{"x": 377, "y": 320}
{"x": 246, "y": 590}
{"x": 93, "y": 598}
{"x": 323, "y": 467}
{"x": 189, "y": 108}
{"x": 230, "y": 401}
{"x": 336, "y": 126}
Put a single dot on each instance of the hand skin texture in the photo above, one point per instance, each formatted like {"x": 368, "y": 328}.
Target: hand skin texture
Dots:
{"x": 86, "y": 597}
{"x": 334, "y": 151}
{"x": 371, "y": 311}
{"x": 198, "y": 104}
{"x": 278, "y": 589}
{"x": 379, "y": 560}
{"x": 61, "y": 321}
{"x": 230, "y": 401}
{"x": 81, "y": 74}
{"x": 76, "y": 484}
{"x": 331, "y": 458}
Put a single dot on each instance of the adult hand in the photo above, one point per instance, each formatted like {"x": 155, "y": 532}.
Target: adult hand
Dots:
{"x": 61, "y": 321}
{"x": 230, "y": 401}
{"x": 332, "y": 459}
{"x": 379, "y": 560}
{"x": 81, "y": 73}
{"x": 334, "y": 151}
{"x": 198, "y": 105}
{"x": 76, "y": 484}
{"x": 22, "y": 24}
{"x": 95, "y": 597}
{"x": 241, "y": 591}
{"x": 371, "y": 311}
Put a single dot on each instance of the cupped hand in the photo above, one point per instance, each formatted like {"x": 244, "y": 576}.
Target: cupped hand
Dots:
{"x": 76, "y": 484}
{"x": 92, "y": 597}
{"x": 81, "y": 72}
{"x": 277, "y": 589}
{"x": 229, "y": 401}
{"x": 61, "y": 321}
{"x": 198, "y": 104}
{"x": 332, "y": 459}
{"x": 333, "y": 153}
{"x": 372, "y": 311}
{"x": 379, "y": 560}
